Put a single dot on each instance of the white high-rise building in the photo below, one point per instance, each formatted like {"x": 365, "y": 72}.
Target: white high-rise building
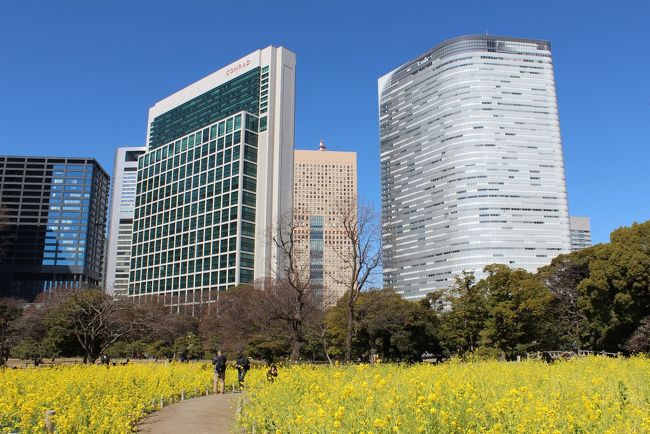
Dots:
{"x": 216, "y": 177}
{"x": 325, "y": 189}
{"x": 580, "y": 233}
{"x": 472, "y": 171}
{"x": 120, "y": 224}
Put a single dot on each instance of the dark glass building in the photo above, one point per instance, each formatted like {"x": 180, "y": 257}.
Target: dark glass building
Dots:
{"x": 56, "y": 213}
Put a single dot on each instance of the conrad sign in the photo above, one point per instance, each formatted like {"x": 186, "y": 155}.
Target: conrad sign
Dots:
{"x": 238, "y": 67}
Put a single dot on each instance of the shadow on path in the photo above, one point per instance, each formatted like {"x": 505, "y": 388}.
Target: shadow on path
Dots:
{"x": 212, "y": 414}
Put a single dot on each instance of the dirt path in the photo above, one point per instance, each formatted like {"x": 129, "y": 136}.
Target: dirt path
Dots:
{"x": 213, "y": 414}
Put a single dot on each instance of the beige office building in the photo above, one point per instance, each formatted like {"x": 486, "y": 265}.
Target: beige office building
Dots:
{"x": 325, "y": 184}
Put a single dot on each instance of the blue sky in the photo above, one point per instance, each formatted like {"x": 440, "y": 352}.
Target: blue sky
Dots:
{"x": 77, "y": 77}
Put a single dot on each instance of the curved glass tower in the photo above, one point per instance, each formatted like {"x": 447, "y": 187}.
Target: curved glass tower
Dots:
{"x": 472, "y": 171}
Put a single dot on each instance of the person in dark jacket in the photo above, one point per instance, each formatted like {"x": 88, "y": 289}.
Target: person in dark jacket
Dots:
{"x": 219, "y": 363}
{"x": 243, "y": 365}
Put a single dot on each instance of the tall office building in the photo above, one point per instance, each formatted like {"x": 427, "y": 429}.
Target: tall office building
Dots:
{"x": 216, "y": 177}
{"x": 325, "y": 184}
{"x": 580, "y": 233}
{"x": 57, "y": 219}
{"x": 472, "y": 171}
{"x": 120, "y": 223}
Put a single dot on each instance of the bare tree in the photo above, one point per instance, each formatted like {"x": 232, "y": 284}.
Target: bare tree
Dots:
{"x": 161, "y": 324}
{"x": 242, "y": 314}
{"x": 94, "y": 318}
{"x": 639, "y": 342}
{"x": 360, "y": 255}
{"x": 291, "y": 237}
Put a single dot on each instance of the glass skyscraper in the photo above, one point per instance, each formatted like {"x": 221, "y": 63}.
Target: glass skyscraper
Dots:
{"x": 57, "y": 218}
{"x": 216, "y": 178}
{"x": 472, "y": 171}
{"x": 120, "y": 228}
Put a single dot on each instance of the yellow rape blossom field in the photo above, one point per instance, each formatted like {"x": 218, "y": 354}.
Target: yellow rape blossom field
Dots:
{"x": 591, "y": 395}
{"x": 94, "y": 399}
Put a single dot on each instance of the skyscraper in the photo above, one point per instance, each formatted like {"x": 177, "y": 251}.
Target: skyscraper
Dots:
{"x": 472, "y": 171}
{"x": 56, "y": 209}
{"x": 580, "y": 233}
{"x": 120, "y": 226}
{"x": 217, "y": 175}
{"x": 325, "y": 185}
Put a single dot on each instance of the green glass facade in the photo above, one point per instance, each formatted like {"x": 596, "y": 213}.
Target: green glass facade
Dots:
{"x": 194, "y": 221}
{"x": 201, "y": 220}
{"x": 239, "y": 94}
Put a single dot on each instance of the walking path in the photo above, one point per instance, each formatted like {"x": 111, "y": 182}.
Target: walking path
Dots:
{"x": 212, "y": 414}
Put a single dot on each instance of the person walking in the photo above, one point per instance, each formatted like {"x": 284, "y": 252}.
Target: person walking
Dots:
{"x": 242, "y": 365}
{"x": 219, "y": 363}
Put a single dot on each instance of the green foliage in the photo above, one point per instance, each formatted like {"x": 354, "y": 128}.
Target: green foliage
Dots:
{"x": 616, "y": 294}
{"x": 50, "y": 346}
{"x": 10, "y": 311}
{"x": 562, "y": 278}
{"x": 486, "y": 353}
{"x": 117, "y": 350}
{"x": 30, "y": 349}
{"x": 386, "y": 325}
{"x": 158, "y": 349}
{"x": 594, "y": 299}
{"x": 27, "y": 349}
{"x": 267, "y": 347}
{"x": 189, "y": 345}
{"x": 463, "y": 323}
{"x": 518, "y": 310}
{"x": 336, "y": 323}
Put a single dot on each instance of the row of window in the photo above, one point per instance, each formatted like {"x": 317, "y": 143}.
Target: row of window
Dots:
{"x": 146, "y": 232}
{"x": 217, "y": 131}
{"x": 174, "y": 264}
{"x": 165, "y": 239}
{"x": 168, "y": 251}
{"x": 209, "y": 279}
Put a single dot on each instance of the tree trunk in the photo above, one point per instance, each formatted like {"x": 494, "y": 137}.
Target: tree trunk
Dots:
{"x": 296, "y": 325}
{"x": 295, "y": 350}
{"x": 327, "y": 354}
{"x": 297, "y": 338}
{"x": 325, "y": 348}
{"x": 2, "y": 345}
{"x": 349, "y": 332}
{"x": 91, "y": 358}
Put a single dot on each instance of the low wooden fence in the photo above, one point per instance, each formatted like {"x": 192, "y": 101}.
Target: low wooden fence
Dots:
{"x": 550, "y": 356}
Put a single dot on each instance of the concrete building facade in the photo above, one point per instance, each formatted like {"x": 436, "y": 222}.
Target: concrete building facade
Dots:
{"x": 580, "y": 233}
{"x": 325, "y": 187}
{"x": 120, "y": 223}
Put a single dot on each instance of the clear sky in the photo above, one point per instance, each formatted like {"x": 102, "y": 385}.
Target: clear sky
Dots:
{"x": 77, "y": 77}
